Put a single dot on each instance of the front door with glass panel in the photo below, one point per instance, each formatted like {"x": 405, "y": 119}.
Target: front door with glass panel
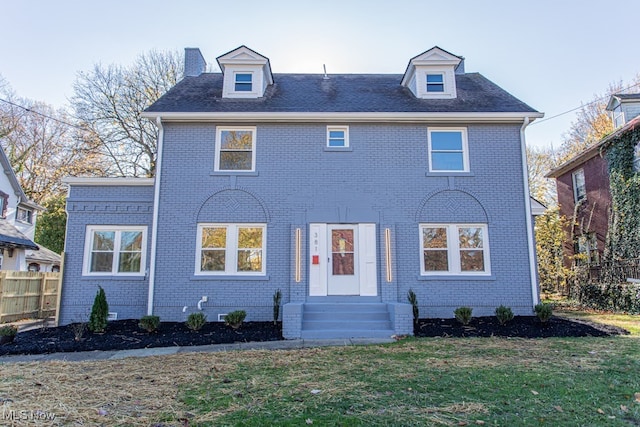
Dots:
{"x": 343, "y": 274}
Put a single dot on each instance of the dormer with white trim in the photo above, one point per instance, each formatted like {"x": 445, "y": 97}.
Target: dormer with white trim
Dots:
{"x": 247, "y": 74}
{"x": 431, "y": 75}
{"x": 623, "y": 108}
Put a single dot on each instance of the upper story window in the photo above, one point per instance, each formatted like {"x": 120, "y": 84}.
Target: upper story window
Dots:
{"x": 24, "y": 215}
{"x": 235, "y": 249}
{"x": 337, "y": 136}
{"x": 454, "y": 249}
{"x": 235, "y": 149}
{"x": 618, "y": 116}
{"x": 243, "y": 82}
{"x": 579, "y": 187}
{"x": 448, "y": 150}
{"x": 435, "y": 83}
{"x": 4, "y": 200}
{"x": 115, "y": 250}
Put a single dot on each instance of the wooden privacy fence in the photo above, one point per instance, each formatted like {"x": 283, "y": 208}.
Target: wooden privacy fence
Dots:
{"x": 25, "y": 294}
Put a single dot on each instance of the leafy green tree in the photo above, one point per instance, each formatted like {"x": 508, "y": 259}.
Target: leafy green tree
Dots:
{"x": 52, "y": 224}
{"x": 550, "y": 237}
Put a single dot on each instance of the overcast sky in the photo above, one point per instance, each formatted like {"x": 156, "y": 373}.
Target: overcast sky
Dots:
{"x": 551, "y": 54}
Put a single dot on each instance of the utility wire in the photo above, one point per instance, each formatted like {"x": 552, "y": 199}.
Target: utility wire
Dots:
{"x": 44, "y": 115}
{"x": 582, "y": 106}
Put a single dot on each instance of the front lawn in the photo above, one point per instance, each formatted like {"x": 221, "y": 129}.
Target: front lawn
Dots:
{"x": 626, "y": 321}
{"x": 426, "y": 381}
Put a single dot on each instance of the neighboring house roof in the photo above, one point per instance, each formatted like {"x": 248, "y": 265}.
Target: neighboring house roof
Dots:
{"x": 621, "y": 97}
{"x": 44, "y": 255}
{"x": 8, "y": 170}
{"x": 12, "y": 238}
{"x": 358, "y": 93}
{"x": 593, "y": 150}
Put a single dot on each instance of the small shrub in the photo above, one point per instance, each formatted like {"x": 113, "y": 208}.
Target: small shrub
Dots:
{"x": 544, "y": 311}
{"x": 463, "y": 314}
{"x": 149, "y": 323}
{"x": 504, "y": 314}
{"x": 196, "y": 320}
{"x": 235, "y": 318}
{"x": 413, "y": 300}
{"x": 277, "y": 298}
{"x": 99, "y": 312}
{"x": 7, "y": 333}
{"x": 78, "y": 328}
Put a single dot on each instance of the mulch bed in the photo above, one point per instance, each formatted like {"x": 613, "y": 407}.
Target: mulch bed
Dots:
{"x": 126, "y": 335}
{"x": 520, "y": 327}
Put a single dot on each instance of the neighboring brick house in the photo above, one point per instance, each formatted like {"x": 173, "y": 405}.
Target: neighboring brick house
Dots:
{"x": 583, "y": 187}
{"x": 343, "y": 191}
{"x": 18, "y": 217}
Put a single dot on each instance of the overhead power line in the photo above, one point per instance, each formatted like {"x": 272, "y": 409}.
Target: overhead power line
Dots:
{"x": 595, "y": 101}
{"x": 44, "y": 115}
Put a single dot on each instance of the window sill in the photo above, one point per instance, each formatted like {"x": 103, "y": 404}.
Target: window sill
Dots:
{"x": 113, "y": 277}
{"x": 449, "y": 174}
{"x": 338, "y": 149}
{"x": 457, "y": 277}
{"x": 233, "y": 173}
{"x": 219, "y": 277}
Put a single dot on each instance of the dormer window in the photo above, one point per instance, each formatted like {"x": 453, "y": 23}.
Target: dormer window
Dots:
{"x": 246, "y": 74}
{"x": 432, "y": 74}
{"x": 244, "y": 82}
{"x": 435, "y": 83}
{"x": 24, "y": 215}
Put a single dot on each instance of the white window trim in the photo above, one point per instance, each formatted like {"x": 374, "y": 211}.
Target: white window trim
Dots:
{"x": 86, "y": 265}
{"x": 344, "y": 129}
{"x": 465, "y": 148}
{"x": 231, "y": 250}
{"x": 453, "y": 250}
{"x": 574, "y": 183}
{"x": 216, "y": 160}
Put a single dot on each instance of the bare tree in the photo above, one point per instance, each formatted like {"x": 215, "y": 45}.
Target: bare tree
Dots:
{"x": 593, "y": 121}
{"x": 109, "y": 100}
{"x": 43, "y": 147}
{"x": 539, "y": 162}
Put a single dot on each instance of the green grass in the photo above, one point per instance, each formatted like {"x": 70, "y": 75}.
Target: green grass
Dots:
{"x": 626, "y": 321}
{"x": 430, "y": 381}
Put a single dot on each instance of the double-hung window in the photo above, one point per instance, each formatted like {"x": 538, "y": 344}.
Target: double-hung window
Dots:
{"x": 235, "y": 149}
{"x": 243, "y": 82}
{"x": 435, "y": 83}
{"x": 231, "y": 249}
{"x": 24, "y": 215}
{"x": 337, "y": 136}
{"x": 579, "y": 185}
{"x": 448, "y": 150}
{"x": 454, "y": 249}
{"x": 115, "y": 250}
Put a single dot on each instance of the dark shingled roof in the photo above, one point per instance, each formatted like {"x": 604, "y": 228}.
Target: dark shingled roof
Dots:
{"x": 360, "y": 93}
{"x": 11, "y": 237}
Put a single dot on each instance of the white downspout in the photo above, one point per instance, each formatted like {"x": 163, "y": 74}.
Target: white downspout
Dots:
{"x": 154, "y": 226}
{"x": 533, "y": 272}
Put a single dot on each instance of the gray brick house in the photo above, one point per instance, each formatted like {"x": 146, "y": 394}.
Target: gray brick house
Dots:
{"x": 343, "y": 191}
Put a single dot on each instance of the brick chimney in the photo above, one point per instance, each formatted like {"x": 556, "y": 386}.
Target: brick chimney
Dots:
{"x": 194, "y": 63}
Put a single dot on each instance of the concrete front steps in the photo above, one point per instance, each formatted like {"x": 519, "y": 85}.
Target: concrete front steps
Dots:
{"x": 345, "y": 320}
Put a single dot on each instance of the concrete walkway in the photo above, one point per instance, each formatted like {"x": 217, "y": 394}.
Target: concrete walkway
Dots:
{"x": 160, "y": 351}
